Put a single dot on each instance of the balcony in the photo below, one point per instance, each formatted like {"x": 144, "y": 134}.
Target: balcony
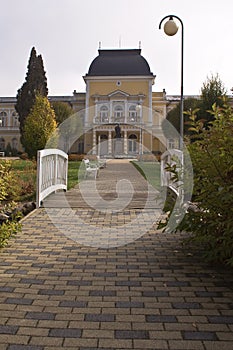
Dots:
{"x": 117, "y": 120}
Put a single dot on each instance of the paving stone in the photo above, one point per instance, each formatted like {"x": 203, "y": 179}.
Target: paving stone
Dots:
{"x": 65, "y": 333}
{"x": 100, "y": 317}
{"x": 133, "y": 304}
{"x": 79, "y": 283}
{"x": 73, "y": 303}
{"x": 103, "y": 293}
{"x": 50, "y": 292}
{"x": 154, "y": 294}
{"x": 40, "y": 315}
{"x": 193, "y": 305}
{"x": 161, "y": 319}
{"x": 19, "y": 301}
{"x": 199, "y": 335}
{"x": 8, "y": 329}
{"x": 220, "y": 319}
{"x": 137, "y": 334}
{"x": 24, "y": 347}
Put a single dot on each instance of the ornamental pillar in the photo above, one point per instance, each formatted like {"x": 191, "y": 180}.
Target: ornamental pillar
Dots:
{"x": 125, "y": 142}
{"x": 94, "y": 142}
{"x": 109, "y": 142}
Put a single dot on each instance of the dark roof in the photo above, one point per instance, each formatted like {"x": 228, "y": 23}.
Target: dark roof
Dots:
{"x": 119, "y": 63}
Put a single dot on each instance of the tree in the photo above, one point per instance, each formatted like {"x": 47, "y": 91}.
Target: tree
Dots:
{"x": 39, "y": 126}
{"x": 212, "y": 91}
{"x": 62, "y": 111}
{"x": 35, "y": 83}
{"x": 173, "y": 116}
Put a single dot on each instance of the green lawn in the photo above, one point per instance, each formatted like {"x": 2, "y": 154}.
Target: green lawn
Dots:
{"x": 73, "y": 173}
{"x": 150, "y": 171}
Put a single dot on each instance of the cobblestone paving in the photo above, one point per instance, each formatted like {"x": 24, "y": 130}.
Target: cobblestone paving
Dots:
{"x": 149, "y": 294}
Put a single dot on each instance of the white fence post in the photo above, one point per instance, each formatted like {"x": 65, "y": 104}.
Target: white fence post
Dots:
{"x": 52, "y": 173}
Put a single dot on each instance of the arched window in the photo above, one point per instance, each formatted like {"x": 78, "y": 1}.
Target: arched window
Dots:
{"x": 15, "y": 119}
{"x": 2, "y": 144}
{"x": 118, "y": 114}
{"x": 132, "y": 114}
{"x": 132, "y": 143}
{"x": 104, "y": 114}
{"x": 3, "y": 117}
{"x": 133, "y": 137}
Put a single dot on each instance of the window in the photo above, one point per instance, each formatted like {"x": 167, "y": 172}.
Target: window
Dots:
{"x": 118, "y": 114}
{"x": 132, "y": 114}
{"x": 132, "y": 143}
{"x": 3, "y": 116}
{"x": 103, "y": 114}
{"x": 80, "y": 147}
{"x": 171, "y": 143}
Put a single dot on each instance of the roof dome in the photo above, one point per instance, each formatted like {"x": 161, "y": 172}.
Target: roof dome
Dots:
{"x": 119, "y": 63}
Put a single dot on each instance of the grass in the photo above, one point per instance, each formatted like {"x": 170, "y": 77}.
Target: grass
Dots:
{"x": 150, "y": 171}
{"x": 73, "y": 172}
{"x": 25, "y": 172}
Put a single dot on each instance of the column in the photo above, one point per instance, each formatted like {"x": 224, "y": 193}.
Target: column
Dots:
{"x": 141, "y": 142}
{"x": 125, "y": 142}
{"x": 99, "y": 145}
{"x": 94, "y": 142}
{"x": 109, "y": 142}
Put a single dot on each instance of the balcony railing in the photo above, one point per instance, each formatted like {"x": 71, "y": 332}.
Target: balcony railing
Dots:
{"x": 12, "y": 128}
{"x": 115, "y": 120}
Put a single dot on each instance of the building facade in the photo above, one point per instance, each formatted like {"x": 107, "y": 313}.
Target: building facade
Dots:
{"x": 121, "y": 116}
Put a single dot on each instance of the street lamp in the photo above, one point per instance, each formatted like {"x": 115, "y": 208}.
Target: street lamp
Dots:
{"x": 171, "y": 28}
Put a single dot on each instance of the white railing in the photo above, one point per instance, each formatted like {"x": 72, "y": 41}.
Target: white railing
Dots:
{"x": 172, "y": 157}
{"x": 52, "y": 170}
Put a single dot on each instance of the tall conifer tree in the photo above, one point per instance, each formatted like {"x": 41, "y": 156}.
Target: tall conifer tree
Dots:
{"x": 35, "y": 83}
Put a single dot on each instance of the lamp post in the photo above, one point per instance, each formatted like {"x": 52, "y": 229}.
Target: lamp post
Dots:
{"x": 171, "y": 28}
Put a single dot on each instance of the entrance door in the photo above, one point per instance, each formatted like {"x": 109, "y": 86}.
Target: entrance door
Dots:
{"x": 103, "y": 146}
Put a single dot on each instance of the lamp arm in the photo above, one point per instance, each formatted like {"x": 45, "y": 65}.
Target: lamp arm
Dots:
{"x": 171, "y": 17}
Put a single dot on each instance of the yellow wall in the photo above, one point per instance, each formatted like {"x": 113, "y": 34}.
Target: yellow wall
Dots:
{"x": 133, "y": 87}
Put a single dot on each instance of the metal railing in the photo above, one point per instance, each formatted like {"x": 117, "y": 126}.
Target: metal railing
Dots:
{"x": 52, "y": 171}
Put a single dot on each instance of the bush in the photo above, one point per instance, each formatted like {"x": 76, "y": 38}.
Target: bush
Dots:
{"x": 24, "y": 156}
{"x": 210, "y": 221}
{"x": 8, "y": 190}
{"x": 78, "y": 157}
{"x": 8, "y": 229}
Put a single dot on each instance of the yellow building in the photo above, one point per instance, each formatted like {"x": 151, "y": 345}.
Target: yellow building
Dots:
{"x": 122, "y": 116}
{"x": 119, "y": 92}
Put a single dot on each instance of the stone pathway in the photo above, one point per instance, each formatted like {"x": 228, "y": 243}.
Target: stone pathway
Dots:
{"x": 151, "y": 293}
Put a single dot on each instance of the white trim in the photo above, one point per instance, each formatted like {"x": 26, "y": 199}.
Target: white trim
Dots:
{"x": 122, "y": 78}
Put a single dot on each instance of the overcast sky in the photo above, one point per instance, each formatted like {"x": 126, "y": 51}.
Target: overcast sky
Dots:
{"x": 67, "y": 34}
